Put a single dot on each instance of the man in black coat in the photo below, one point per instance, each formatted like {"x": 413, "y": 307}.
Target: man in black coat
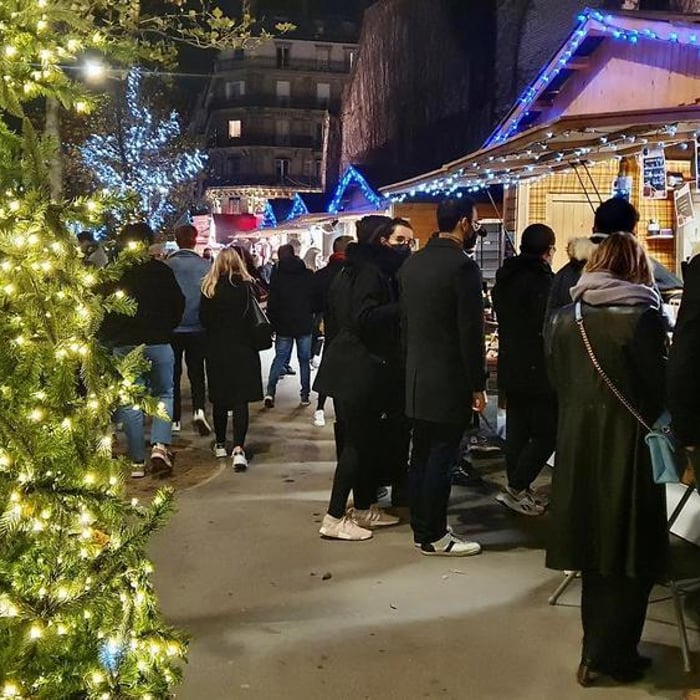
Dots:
{"x": 520, "y": 300}
{"x": 290, "y": 310}
{"x": 683, "y": 376}
{"x": 160, "y": 305}
{"x": 323, "y": 279}
{"x": 612, "y": 216}
{"x": 443, "y": 323}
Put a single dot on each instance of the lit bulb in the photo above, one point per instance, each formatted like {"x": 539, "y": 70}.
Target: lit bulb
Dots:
{"x": 89, "y": 479}
{"x": 61, "y": 629}
{"x": 36, "y": 415}
{"x": 10, "y": 690}
{"x": 97, "y": 677}
{"x": 36, "y": 632}
{"x": 10, "y": 51}
{"x": 14, "y": 205}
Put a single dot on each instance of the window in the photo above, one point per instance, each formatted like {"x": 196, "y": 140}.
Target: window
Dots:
{"x": 318, "y": 168}
{"x": 323, "y": 57}
{"x": 323, "y": 94}
{"x": 283, "y": 92}
{"x": 282, "y": 132}
{"x": 234, "y": 205}
{"x": 234, "y": 128}
{"x": 235, "y": 89}
{"x": 282, "y": 169}
{"x": 350, "y": 55}
{"x": 233, "y": 165}
{"x": 283, "y": 52}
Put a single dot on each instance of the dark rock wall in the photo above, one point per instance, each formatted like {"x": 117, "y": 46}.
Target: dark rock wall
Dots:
{"x": 434, "y": 77}
{"x": 421, "y": 65}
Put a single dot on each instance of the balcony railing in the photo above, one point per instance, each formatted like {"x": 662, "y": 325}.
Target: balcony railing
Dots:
{"x": 266, "y": 101}
{"x": 263, "y": 180}
{"x": 292, "y": 64}
{"x": 260, "y": 139}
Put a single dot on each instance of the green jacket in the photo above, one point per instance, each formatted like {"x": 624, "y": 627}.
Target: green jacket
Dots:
{"x": 608, "y": 516}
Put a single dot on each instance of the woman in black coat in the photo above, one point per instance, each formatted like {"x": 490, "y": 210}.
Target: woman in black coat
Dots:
{"x": 608, "y": 515}
{"x": 362, "y": 369}
{"x": 233, "y": 365}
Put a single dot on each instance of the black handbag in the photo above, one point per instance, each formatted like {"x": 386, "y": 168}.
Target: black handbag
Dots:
{"x": 260, "y": 326}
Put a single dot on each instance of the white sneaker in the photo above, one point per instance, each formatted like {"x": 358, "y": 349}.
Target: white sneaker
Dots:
{"x": 219, "y": 450}
{"x": 176, "y": 427}
{"x": 343, "y": 529}
{"x": 138, "y": 470}
{"x": 541, "y": 499}
{"x": 450, "y": 546}
{"x": 315, "y": 362}
{"x": 240, "y": 463}
{"x": 319, "y": 419}
{"x": 161, "y": 460}
{"x": 269, "y": 401}
{"x": 520, "y": 501}
{"x": 373, "y": 518}
{"x": 200, "y": 422}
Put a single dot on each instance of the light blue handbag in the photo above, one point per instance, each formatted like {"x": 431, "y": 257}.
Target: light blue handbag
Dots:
{"x": 666, "y": 454}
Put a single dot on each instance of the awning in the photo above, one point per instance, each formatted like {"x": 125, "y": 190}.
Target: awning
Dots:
{"x": 558, "y": 146}
{"x": 227, "y": 226}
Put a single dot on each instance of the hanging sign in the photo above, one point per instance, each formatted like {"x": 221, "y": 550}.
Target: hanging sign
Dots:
{"x": 683, "y": 200}
{"x": 654, "y": 174}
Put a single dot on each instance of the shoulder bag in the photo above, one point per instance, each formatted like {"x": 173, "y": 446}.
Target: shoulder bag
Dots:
{"x": 666, "y": 455}
{"x": 260, "y": 327}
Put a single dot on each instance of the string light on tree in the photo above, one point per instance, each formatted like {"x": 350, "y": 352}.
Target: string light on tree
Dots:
{"x": 143, "y": 158}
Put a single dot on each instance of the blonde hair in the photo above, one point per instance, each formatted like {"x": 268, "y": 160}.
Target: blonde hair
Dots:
{"x": 621, "y": 255}
{"x": 228, "y": 262}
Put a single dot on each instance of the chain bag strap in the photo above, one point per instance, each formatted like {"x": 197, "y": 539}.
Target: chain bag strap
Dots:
{"x": 665, "y": 460}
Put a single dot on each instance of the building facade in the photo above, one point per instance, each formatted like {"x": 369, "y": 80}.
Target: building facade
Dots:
{"x": 268, "y": 112}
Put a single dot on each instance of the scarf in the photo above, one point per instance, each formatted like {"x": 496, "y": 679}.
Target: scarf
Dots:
{"x": 603, "y": 288}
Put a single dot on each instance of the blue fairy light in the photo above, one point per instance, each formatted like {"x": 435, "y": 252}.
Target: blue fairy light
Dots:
{"x": 141, "y": 159}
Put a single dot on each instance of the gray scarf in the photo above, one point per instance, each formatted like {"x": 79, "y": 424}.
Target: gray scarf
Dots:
{"x": 603, "y": 288}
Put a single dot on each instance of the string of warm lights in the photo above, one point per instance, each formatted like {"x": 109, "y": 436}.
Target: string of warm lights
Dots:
{"x": 78, "y": 612}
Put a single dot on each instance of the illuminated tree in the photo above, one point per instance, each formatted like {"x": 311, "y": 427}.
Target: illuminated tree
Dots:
{"x": 145, "y": 156}
{"x": 78, "y": 614}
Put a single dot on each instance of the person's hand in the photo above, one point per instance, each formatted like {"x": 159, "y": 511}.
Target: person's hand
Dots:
{"x": 479, "y": 401}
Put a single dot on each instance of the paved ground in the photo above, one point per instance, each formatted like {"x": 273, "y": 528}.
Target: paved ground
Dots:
{"x": 276, "y": 612}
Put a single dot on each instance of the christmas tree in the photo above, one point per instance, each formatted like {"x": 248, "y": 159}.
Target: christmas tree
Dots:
{"x": 145, "y": 156}
{"x": 78, "y": 614}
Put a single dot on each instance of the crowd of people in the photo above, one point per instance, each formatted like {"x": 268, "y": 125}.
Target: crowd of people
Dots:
{"x": 404, "y": 362}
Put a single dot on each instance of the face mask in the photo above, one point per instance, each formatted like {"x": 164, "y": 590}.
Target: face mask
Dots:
{"x": 470, "y": 240}
{"x": 402, "y": 249}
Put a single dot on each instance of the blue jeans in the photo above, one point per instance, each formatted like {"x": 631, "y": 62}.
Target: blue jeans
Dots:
{"x": 283, "y": 354}
{"x": 159, "y": 381}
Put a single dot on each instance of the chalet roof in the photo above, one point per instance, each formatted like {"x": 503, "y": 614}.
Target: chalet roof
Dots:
{"x": 594, "y": 27}
{"x": 565, "y": 144}
{"x": 524, "y": 146}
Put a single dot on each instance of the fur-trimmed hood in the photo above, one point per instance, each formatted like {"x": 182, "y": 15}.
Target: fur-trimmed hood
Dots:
{"x": 580, "y": 249}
